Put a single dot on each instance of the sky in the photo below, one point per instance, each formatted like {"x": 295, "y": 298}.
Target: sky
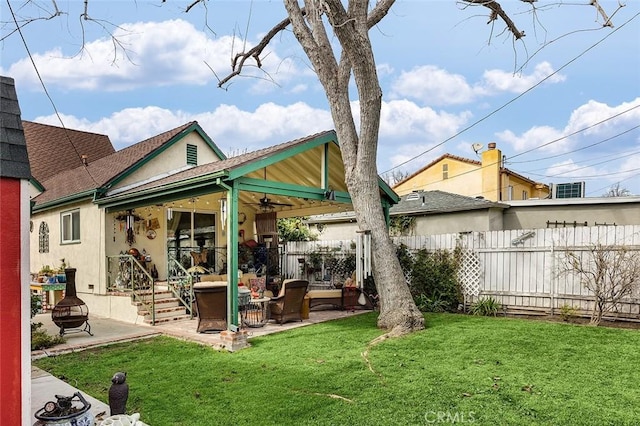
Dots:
{"x": 562, "y": 103}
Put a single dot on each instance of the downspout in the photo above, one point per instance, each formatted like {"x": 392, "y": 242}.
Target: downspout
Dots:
{"x": 232, "y": 253}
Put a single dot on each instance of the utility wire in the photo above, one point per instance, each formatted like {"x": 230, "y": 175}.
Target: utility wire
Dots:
{"x": 578, "y": 149}
{"x": 513, "y": 99}
{"x": 44, "y": 87}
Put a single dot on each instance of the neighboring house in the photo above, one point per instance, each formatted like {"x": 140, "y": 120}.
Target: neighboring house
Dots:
{"x": 174, "y": 200}
{"x": 487, "y": 178}
{"x": 568, "y": 212}
{"x": 439, "y": 212}
{"x": 433, "y": 212}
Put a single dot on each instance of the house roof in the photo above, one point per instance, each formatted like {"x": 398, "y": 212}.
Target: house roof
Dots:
{"x": 288, "y": 178}
{"x": 82, "y": 180}
{"x": 14, "y": 161}
{"x": 432, "y": 202}
{"x": 463, "y": 160}
{"x": 53, "y": 150}
{"x": 421, "y": 203}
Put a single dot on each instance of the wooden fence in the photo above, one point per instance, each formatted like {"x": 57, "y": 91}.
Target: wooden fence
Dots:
{"x": 522, "y": 269}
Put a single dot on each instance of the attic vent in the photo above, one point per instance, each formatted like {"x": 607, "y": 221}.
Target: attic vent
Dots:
{"x": 413, "y": 196}
{"x": 192, "y": 155}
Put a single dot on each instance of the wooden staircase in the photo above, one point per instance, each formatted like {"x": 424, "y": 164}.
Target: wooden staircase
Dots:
{"x": 167, "y": 307}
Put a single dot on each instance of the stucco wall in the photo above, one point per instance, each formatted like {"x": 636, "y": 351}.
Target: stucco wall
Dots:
{"x": 87, "y": 256}
{"x": 474, "y": 220}
{"x": 531, "y": 217}
{"x": 464, "y": 179}
{"x": 173, "y": 158}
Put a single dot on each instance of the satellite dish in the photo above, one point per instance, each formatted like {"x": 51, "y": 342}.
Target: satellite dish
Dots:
{"x": 476, "y": 147}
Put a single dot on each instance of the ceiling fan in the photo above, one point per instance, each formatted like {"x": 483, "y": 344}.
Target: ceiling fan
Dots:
{"x": 265, "y": 202}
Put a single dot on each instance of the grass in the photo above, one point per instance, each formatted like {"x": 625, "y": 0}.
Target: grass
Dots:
{"x": 461, "y": 369}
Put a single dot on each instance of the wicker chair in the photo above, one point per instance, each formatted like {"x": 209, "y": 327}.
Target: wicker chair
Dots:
{"x": 211, "y": 305}
{"x": 288, "y": 305}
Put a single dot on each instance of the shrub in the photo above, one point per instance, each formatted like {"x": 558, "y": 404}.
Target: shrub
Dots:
{"x": 40, "y": 339}
{"x": 432, "y": 277}
{"x": 486, "y": 306}
{"x": 567, "y": 312}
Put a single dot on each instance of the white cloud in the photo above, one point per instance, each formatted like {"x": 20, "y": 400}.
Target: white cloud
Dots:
{"x": 437, "y": 86}
{"x": 433, "y": 85}
{"x": 269, "y": 124}
{"x": 502, "y": 81}
{"x": 552, "y": 140}
{"x": 405, "y": 119}
{"x": 164, "y": 53}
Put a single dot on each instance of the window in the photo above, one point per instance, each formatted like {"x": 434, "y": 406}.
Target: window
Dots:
{"x": 509, "y": 193}
{"x": 445, "y": 171}
{"x": 525, "y": 195}
{"x": 43, "y": 238}
{"x": 192, "y": 155}
{"x": 71, "y": 227}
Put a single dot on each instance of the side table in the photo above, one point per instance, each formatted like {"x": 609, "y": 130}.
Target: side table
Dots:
{"x": 256, "y": 312}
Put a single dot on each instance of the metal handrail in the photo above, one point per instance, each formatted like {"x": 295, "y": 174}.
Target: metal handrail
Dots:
{"x": 131, "y": 277}
{"x": 181, "y": 284}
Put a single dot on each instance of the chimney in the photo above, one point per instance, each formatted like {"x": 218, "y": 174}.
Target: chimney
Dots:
{"x": 490, "y": 172}
{"x": 84, "y": 159}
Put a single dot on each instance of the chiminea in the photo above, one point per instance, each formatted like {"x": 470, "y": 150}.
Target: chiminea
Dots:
{"x": 71, "y": 311}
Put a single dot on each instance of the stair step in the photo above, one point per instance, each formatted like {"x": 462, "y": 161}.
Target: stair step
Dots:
{"x": 168, "y": 319}
{"x": 162, "y": 302}
{"x": 164, "y": 312}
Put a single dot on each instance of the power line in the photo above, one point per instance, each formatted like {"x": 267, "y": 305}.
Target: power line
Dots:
{"x": 44, "y": 87}
{"x": 513, "y": 99}
{"x": 579, "y": 149}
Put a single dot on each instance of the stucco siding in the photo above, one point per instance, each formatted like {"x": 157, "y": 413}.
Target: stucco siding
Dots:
{"x": 86, "y": 256}
{"x": 529, "y": 217}
{"x": 171, "y": 159}
{"x": 463, "y": 178}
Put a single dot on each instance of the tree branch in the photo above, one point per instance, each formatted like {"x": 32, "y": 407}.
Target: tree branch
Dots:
{"x": 497, "y": 11}
{"x": 238, "y": 62}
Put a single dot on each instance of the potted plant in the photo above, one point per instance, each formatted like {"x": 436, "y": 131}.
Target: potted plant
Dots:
{"x": 45, "y": 272}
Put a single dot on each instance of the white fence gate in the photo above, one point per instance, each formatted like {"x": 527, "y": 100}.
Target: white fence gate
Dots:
{"x": 520, "y": 268}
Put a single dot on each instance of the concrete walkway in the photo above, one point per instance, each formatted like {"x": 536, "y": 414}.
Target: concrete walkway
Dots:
{"x": 107, "y": 331}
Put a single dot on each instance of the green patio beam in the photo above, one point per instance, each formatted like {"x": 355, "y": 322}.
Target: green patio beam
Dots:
{"x": 325, "y": 167}
{"x": 288, "y": 189}
{"x": 232, "y": 253}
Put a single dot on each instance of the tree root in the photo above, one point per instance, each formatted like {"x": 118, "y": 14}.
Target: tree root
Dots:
{"x": 332, "y": 395}
{"x": 371, "y": 344}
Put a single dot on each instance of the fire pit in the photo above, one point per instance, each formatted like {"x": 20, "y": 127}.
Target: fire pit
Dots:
{"x": 66, "y": 412}
{"x": 71, "y": 312}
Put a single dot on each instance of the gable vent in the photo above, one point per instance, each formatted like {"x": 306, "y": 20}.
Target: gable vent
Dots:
{"x": 192, "y": 155}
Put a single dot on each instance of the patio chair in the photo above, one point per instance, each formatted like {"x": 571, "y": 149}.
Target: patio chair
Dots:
{"x": 288, "y": 305}
{"x": 211, "y": 305}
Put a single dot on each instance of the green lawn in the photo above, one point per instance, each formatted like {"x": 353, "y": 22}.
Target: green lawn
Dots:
{"x": 460, "y": 370}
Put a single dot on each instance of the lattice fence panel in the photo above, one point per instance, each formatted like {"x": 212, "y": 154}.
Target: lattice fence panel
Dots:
{"x": 470, "y": 273}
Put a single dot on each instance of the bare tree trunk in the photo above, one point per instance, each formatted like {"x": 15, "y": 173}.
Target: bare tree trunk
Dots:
{"x": 398, "y": 311}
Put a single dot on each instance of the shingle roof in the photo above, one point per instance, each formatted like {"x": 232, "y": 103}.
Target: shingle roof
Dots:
{"x": 55, "y": 149}
{"x": 101, "y": 171}
{"x": 227, "y": 164}
{"x": 14, "y": 161}
{"x": 435, "y": 202}
{"x": 425, "y": 202}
